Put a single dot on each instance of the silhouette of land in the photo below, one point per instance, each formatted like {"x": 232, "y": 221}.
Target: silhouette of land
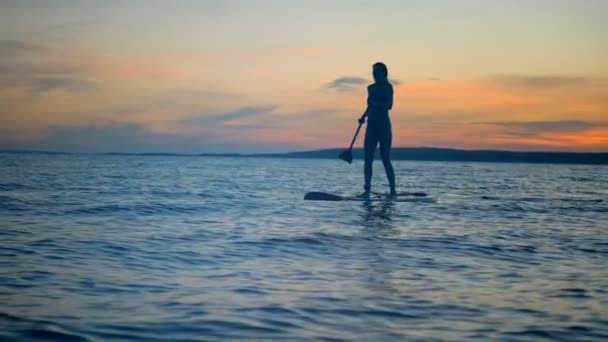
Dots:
{"x": 400, "y": 153}
{"x": 447, "y": 154}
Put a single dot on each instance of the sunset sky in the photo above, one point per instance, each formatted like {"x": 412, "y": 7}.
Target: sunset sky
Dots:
{"x": 278, "y": 75}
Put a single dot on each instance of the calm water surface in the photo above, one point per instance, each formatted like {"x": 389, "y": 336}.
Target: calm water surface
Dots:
{"x": 185, "y": 248}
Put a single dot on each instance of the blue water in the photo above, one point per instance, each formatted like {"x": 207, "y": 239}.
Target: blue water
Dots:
{"x": 185, "y": 248}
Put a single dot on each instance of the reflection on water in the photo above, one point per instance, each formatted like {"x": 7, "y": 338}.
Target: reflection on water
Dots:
{"x": 377, "y": 223}
{"x": 377, "y": 212}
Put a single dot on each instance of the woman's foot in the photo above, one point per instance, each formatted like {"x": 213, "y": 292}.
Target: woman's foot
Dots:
{"x": 364, "y": 195}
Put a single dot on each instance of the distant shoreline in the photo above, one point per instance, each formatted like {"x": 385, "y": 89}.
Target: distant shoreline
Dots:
{"x": 398, "y": 153}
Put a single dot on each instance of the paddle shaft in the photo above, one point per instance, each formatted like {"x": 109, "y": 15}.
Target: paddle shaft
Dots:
{"x": 355, "y": 137}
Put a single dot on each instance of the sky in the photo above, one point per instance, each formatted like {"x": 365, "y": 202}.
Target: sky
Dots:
{"x": 276, "y": 75}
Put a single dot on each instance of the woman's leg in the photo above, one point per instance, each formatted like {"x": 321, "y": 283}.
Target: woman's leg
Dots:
{"x": 386, "y": 140}
{"x": 371, "y": 141}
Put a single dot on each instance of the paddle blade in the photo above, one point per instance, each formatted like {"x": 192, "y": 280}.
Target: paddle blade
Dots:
{"x": 347, "y": 156}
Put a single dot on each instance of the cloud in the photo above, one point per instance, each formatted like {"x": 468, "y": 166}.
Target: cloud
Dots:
{"x": 346, "y": 83}
{"x": 350, "y": 83}
{"x": 23, "y": 65}
{"x": 32, "y": 67}
{"x": 103, "y": 136}
{"x": 286, "y": 121}
{"x": 71, "y": 84}
{"x": 60, "y": 27}
{"x": 134, "y": 137}
{"x": 543, "y": 81}
{"x": 226, "y": 117}
{"x": 35, "y": 83}
{"x": 11, "y": 47}
{"x": 255, "y": 118}
{"x": 532, "y": 128}
{"x": 206, "y": 94}
{"x": 115, "y": 137}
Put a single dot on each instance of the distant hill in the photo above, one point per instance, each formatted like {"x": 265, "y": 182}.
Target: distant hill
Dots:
{"x": 446, "y": 154}
{"x": 405, "y": 153}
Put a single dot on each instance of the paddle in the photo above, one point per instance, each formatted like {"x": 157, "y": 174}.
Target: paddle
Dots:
{"x": 347, "y": 155}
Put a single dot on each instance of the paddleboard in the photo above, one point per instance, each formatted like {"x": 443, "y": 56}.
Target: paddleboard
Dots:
{"x": 401, "y": 197}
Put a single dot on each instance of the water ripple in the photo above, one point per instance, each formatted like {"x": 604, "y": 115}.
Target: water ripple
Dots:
{"x": 98, "y": 248}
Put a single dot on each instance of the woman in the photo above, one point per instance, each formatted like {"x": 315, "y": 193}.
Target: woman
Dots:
{"x": 378, "y": 131}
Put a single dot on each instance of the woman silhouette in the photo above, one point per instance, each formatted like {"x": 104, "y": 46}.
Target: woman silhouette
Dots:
{"x": 378, "y": 131}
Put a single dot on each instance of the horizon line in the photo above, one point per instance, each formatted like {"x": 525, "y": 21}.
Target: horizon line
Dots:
{"x": 298, "y": 151}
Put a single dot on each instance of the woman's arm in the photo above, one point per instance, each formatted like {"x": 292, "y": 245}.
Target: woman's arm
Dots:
{"x": 362, "y": 118}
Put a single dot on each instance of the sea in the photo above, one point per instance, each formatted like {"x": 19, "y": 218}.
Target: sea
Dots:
{"x": 186, "y": 248}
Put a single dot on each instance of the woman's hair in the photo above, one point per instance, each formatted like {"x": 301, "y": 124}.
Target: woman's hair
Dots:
{"x": 383, "y": 75}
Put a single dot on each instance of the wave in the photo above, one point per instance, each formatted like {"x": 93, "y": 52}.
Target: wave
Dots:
{"x": 150, "y": 209}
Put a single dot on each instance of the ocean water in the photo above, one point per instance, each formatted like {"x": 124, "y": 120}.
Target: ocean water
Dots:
{"x": 156, "y": 248}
